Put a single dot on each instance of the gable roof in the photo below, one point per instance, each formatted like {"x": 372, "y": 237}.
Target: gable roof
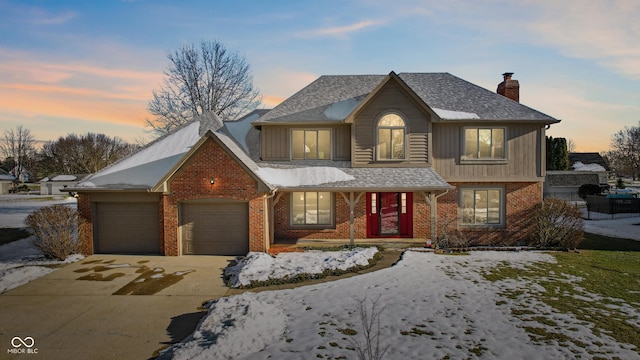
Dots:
{"x": 332, "y": 98}
{"x": 148, "y": 168}
{"x": 587, "y": 158}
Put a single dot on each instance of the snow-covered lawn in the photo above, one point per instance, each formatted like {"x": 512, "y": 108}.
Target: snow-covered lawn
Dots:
{"x": 430, "y": 307}
{"x": 625, "y": 228}
{"x": 20, "y": 261}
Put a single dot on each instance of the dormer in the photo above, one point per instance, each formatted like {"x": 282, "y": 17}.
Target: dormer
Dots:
{"x": 391, "y": 127}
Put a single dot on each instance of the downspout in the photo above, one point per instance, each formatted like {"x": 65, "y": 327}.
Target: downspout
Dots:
{"x": 267, "y": 219}
{"x": 432, "y": 200}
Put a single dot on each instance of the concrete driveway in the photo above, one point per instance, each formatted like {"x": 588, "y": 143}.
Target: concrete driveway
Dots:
{"x": 109, "y": 307}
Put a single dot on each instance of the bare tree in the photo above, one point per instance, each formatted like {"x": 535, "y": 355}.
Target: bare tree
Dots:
{"x": 208, "y": 78}
{"x": 625, "y": 151}
{"x": 19, "y": 145}
{"x": 82, "y": 154}
{"x": 571, "y": 145}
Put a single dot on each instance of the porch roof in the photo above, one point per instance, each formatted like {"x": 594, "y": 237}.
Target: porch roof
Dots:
{"x": 342, "y": 177}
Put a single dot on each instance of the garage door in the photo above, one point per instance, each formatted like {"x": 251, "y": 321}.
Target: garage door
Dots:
{"x": 215, "y": 229}
{"x": 127, "y": 228}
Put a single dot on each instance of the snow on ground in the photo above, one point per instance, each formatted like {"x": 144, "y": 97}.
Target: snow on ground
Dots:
{"x": 262, "y": 267}
{"x": 432, "y": 307}
{"x": 20, "y": 261}
{"x": 625, "y": 228}
{"x": 15, "y": 208}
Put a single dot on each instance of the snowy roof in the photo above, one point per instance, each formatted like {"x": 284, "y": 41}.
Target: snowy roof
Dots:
{"x": 586, "y": 161}
{"x": 245, "y": 134}
{"x": 342, "y": 177}
{"x": 64, "y": 178}
{"x": 334, "y": 97}
{"x": 5, "y": 176}
{"x": 579, "y": 166}
{"x": 146, "y": 167}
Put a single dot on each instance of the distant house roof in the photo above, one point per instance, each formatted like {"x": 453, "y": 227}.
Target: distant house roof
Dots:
{"x": 570, "y": 178}
{"x": 587, "y": 158}
{"x": 5, "y": 176}
{"x": 334, "y": 97}
{"x": 64, "y": 178}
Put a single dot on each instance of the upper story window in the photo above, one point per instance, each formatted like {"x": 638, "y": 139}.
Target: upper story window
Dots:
{"x": 391, "y": 134}
{"x": 484, "y": 143}
{"x": 311, "y": 144}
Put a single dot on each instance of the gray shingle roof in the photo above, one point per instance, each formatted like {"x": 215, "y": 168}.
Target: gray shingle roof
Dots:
{"x": 330, "y": 97}
{"x": 370, "y": 179}
{"x": 587, "y": 158}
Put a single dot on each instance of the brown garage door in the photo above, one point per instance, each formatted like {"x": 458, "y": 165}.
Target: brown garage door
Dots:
{"x": 215, "y": 228}
{"x": 127, "y": 228}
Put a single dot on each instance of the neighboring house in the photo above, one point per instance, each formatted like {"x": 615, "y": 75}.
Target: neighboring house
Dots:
{"x": 7, "y": 182}
{"x": 590, "y": 161}
{"x": 361, "y": 156}
{"x": 57, "y": 184}
{"x": 584, "y": 168}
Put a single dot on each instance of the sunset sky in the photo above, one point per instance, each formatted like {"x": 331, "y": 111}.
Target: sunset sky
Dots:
{"x": 80, "y": 66}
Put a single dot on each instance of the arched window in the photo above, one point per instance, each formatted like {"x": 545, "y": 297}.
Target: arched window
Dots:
{"x": 391, "y": 134}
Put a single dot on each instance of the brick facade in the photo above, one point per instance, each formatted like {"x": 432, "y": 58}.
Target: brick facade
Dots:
{"x": 86, "y": 233}
{"x": 285, "y": 232}
{"x": 192, "y": 182}
{"x": 520, "y": 198}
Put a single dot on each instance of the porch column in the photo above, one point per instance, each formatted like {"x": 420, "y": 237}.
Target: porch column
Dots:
{"x": 352, "y": 208}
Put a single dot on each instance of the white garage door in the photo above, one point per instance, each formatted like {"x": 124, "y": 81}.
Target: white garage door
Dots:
{"x": 127, "y": 228}
{"x": 215, "y": 228}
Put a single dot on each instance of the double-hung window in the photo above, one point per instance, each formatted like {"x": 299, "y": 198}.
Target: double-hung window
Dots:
{"x": 311, "y": 208}
{"x": 484, "y": 143}
{"x": 482, "y": 206}
{"x": 310, "y": 144}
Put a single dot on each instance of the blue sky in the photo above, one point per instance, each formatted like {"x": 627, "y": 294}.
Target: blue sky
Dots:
{"x": 79, "y": 66}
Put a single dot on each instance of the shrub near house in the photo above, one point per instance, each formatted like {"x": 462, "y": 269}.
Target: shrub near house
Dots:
{"x": 397, "y": 155}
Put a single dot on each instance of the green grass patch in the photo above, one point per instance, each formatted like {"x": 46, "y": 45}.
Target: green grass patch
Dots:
{"x": 8, "y": 235}
{"x": 601, "y": 242}
{"x": 589, "y": 285}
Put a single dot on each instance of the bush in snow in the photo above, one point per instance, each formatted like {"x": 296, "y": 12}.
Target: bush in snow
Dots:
{"x": 56, "y": 230}
{"x": 589, "y": 189}
{"x": 449, "y": 236}
{"x": 557, "y": 224}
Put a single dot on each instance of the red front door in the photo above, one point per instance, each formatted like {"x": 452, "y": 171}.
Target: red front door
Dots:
{"x": 389, "y": 214}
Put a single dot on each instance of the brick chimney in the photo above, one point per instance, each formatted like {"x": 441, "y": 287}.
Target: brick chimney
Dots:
{"x": 509, "y": 88}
